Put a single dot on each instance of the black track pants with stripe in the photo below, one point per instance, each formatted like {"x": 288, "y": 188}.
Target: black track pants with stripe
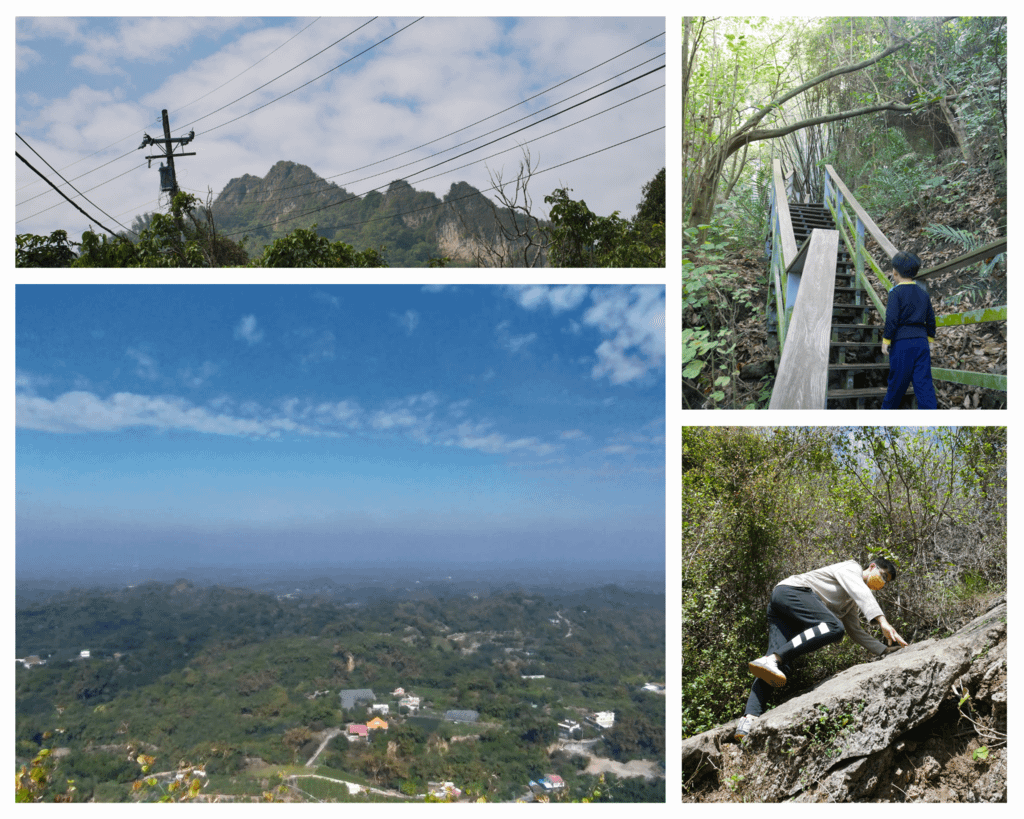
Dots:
{"x": 798, "y": 622}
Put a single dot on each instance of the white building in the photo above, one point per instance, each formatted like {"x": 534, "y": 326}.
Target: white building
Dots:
{"x": 604, "y": 719}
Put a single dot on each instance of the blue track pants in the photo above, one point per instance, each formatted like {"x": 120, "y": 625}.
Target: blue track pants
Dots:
{"x": 910, "y": 360}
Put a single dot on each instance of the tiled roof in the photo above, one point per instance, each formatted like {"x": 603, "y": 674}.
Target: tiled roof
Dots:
{"x": 350, "y": 697}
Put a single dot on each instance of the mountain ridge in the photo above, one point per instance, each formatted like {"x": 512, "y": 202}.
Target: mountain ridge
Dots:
{"x": 412, "y": 226}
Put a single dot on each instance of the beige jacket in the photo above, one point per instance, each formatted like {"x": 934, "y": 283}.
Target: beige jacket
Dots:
{"x": 842, "y": 589}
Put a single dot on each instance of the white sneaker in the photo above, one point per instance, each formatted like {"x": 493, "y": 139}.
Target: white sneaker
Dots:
{"x": 746, "y": 723}
{"x": 765, "y": 668}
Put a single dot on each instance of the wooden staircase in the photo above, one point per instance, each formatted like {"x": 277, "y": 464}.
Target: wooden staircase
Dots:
{"x": 855, "y": 354}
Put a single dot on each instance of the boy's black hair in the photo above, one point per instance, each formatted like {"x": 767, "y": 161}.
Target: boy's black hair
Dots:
{"x": 885, "y": 566}
{"x": 906, "y": 264}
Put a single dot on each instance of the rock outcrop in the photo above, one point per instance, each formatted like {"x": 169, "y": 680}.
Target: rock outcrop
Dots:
{"x": 414, "y": 226}
{"x": 925, "y": 723}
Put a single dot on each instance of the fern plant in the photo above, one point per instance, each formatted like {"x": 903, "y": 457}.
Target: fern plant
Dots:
{"x": 954, "y": 236}
{"x": 976, "y": 291}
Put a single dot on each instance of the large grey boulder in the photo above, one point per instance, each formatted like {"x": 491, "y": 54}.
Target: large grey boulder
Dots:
{"x": 842, "y": 740}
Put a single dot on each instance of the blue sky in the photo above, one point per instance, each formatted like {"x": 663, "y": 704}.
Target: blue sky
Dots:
{"x": 329, "y": 425}
{"x": 87, "y": 89}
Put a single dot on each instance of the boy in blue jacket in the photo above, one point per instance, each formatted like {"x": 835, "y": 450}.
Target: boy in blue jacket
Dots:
{"x": 909, "y": 327}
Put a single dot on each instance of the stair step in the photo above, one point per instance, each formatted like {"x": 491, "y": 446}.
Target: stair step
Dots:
{"x": 863, "y": 392}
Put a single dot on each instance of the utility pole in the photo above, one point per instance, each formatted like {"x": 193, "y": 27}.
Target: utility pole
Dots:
{"x": 168, "y": 181}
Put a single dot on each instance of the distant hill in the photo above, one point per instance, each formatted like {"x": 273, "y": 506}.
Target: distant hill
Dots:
{"x": 412, "y": 226}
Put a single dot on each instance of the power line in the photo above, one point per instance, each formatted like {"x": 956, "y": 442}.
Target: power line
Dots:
{"x": 498, "y": 139}
{"x": 516, "y": 105}
{"x": 495, "y": 187}
{"x": 48, "y": 182}
{"x": 346, "y": 62}
{"x": 261, "y": 59}
{"x": 542, "y": 136}
{"x": 265, "y": 84}
{"x": 481, "y": 136}
{"x": 48, "y": 165}
{"x": 134, "y": 133}
{"x": 90, "y": 190}
{"x": 289, "y": 71}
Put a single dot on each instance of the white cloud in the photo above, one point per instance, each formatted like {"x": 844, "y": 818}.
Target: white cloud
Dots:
{"x": 85, "y": 412}
{"x": 347, "y": 413}
{"x": 409, "y": 320}
{"x": 635, "y": 318}
{"x": 615, "y": 364}
{"x": 472, "y": 436}
{"x": 509, "y": 342}
{"x": 318, "y": 346}
{"x": 412, "y": 417}
{"x": 247, "y": 330}
{"x": 149, "y": 39}
{"x": 199, "y": 377}
{"x": 386, "y": 419}
{"x": 28, "y": 383}
{"x": 327, "y": 298}
{"x": 558, "y": 298}
{"x": 146, "y": 365}
{"x": 25, "y": 57}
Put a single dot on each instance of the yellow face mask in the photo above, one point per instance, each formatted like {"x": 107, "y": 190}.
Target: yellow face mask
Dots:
{"x": 875, "y": 581}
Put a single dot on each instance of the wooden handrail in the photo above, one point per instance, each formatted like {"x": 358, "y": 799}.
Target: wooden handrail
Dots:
{"x": 802, "y": 380}
{"x": 869, "y": 223}
{"x": 785, "y": 221}
{"x": 990, "y": 380}
{"x": 970, "y": 257}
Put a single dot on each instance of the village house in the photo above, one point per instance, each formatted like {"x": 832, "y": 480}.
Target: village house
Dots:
{"x": 443, "y": 790}
{"x": 377, "y": 724}
{"x": 351, "y": 697}
{"x": 604, "y": 719}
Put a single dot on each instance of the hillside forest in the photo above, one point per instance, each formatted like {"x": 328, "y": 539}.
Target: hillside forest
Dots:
{"x": 759, "y": 505}
{"x": 245, "y": 687}
{"x": 911, "y": 115}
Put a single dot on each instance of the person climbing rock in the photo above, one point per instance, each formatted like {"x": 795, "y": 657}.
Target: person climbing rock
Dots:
{"x": 909, "y": 328}
{"x": 811, "y": 610}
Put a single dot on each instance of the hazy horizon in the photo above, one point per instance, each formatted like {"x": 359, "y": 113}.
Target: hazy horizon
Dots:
{"x": 347, "y": 426}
